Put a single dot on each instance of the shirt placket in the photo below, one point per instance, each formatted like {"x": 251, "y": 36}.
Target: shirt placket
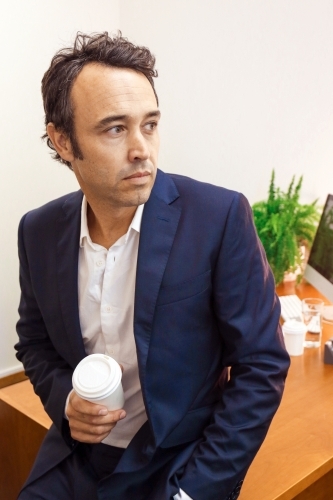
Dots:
{"x": 109, "y": 311}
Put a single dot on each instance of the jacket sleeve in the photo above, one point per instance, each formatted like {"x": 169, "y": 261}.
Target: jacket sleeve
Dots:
{"x": 247, "y": 311}
{"x": 49, "y": 373}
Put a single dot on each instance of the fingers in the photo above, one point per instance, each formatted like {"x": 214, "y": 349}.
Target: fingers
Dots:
{"x": 89, "y": 422}
{"x": 88, "y": 433}
{"x": 86, "y": 437}
{"x": 93, "y": 429}
{"x": 80, "y": 405}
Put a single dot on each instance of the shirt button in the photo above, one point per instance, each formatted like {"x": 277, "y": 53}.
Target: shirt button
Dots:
{"x": 108, "y": 309}
{"x": 100, "y": 263}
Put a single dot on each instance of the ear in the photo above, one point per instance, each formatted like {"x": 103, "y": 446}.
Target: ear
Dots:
{"x": 60, "y": 142}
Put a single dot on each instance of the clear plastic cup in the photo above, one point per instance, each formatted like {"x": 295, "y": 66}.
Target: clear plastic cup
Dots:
{"x": 312, "y": 311}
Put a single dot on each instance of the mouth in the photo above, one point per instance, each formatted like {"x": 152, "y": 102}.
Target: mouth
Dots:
{"x": 137, "y": 175}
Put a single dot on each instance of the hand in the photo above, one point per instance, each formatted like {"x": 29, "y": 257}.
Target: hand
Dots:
{"x": 90, "y": 422}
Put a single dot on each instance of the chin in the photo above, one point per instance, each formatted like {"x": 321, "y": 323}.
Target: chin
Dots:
{"x": 137, "y": 199}
{"x": 143, "y": 195}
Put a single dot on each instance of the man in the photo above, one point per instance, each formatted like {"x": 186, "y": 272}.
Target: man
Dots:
{"x": 161, "y": 272}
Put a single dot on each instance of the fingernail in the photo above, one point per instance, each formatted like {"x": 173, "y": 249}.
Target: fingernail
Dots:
{"x": 103, "y": 412}
{"x": 122, "y": 415}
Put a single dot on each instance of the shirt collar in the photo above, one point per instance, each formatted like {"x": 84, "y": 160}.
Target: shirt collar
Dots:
{"x": 84, "y": 232}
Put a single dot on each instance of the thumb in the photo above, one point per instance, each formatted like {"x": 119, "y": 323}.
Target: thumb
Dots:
{"x": 120, "y": 414}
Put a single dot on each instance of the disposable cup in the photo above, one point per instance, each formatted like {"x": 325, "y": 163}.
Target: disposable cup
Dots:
{"x": 97, "y": 378}
{"x": 294, "y": 334}
{"x": 312, "y": 311}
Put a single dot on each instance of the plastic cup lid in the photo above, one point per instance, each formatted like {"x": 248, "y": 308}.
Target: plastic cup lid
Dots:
{"x": 96, "y": 375}
{"x": 293, "y": 326}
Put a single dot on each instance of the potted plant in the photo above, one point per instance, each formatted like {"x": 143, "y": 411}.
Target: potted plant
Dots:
{"x": 284, "y": 225}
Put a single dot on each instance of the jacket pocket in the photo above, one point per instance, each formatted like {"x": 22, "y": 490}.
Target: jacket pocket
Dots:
{"x": 190, "y": 428}
{"x": 181, "y": 291}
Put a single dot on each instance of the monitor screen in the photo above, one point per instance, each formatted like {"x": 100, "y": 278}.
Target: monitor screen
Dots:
{"x": 319, "y": 269}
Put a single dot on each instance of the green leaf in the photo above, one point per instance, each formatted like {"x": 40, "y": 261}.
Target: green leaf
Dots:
{"x": 283, "y": 224}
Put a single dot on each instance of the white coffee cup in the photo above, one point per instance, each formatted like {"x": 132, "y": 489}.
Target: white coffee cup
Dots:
{"x": 97, "y": 378}
{"x": 294, "y": 334}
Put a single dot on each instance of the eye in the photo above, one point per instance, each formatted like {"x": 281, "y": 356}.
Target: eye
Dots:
{"x": 116, "y": 130}
{"x": 150, "y": 126}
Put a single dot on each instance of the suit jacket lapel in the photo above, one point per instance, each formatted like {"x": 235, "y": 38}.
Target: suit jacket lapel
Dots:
{"x": 158, "y": 228}
{"x": 67, "y": 272}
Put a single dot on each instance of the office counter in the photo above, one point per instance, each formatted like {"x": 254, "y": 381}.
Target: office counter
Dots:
{"x": 294, "y": 462}
{"x": 296, "y": 459}
{"x": 23, "y": 425}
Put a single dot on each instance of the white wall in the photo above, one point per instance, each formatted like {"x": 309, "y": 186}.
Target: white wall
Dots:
{"x": 245, "y": 86}
{"x": 31, "y": 32}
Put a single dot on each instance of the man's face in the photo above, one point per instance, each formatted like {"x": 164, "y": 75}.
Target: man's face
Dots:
{"x": 115, "y": 120}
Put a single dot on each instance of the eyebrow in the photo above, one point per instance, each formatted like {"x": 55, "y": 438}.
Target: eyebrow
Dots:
{"x": 108, "y": 120}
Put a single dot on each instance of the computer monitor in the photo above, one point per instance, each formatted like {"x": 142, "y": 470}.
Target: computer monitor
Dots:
{"x": 319, "y": 269}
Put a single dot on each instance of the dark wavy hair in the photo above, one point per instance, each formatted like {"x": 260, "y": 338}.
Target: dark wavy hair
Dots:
{"x": 67, "y": 63}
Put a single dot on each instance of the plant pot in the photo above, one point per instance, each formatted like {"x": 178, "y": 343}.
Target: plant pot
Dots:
{"x": 289, "y": 277}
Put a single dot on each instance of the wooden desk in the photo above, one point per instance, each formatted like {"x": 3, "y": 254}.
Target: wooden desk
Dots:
{"x": 23, "y": 425}
{"x": 296, "y": 459}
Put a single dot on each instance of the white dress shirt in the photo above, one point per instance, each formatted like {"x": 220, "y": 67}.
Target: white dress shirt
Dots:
{"x": 182, "y": 496}
{"x": 106, "y": 286}
{"x": 106, "y": 307}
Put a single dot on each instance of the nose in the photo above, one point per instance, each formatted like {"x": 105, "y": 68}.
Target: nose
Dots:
{"x": 138, "y": 147}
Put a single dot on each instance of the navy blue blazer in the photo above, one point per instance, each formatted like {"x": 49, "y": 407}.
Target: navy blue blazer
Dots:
{"x": 204, "y": 301}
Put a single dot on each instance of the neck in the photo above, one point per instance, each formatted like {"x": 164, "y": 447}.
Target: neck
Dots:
{"x": 107, "y": 224}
